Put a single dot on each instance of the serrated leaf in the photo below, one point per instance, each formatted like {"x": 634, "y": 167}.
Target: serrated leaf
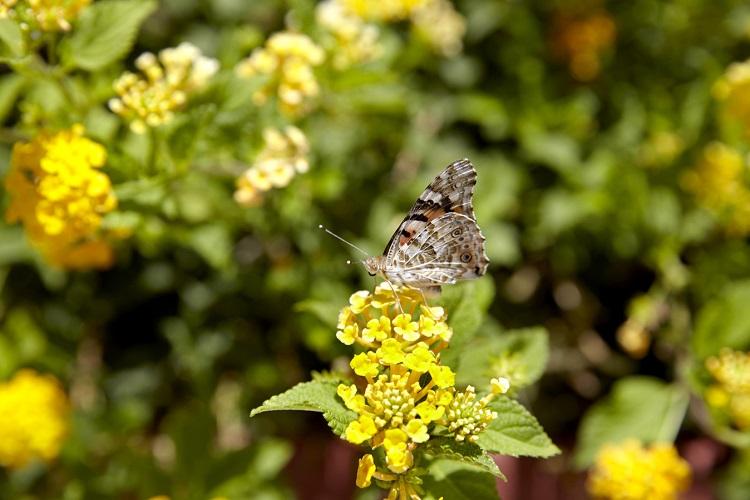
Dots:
{"x": 515, "y": 432}
{"x": 456, "y": 481}
{"x": 724, "y": 322}
{"x": 469, "y": 454}
{"x": 522, "y": 352}
{"x": 316, "y": 395}
{"x": 643, "y": 408}
{"x": 105, "y": 32}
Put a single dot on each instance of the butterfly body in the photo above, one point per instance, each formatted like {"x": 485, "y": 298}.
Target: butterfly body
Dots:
{"x": 439, "y": 241}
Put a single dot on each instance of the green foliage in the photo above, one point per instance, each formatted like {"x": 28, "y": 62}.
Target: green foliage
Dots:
{"x": 515, "y": 432}
{"x": 105, "y": 33}
{"x": 641, "y": 408}
{"x": 458, "y": 481}
{"x": 444, "y": 449}
{"x": 317, "y": 395}
{"x": 723, "y": 322}
{"x": 519, "y": 355}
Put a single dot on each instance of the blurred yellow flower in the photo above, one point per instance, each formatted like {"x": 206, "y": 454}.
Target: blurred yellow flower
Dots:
{"x": 35, "y": 418}
{"x": 384, "y": 10}
{"x": 731, "y": 390}
{"x": 287, "y": 61}
{"x": 150, "y": 99}
{"x": 60, "y": 196}
{"x": 283, "y": 156}
{"x": 733, "y": 91}
{"x": 718, "y": 183}
{"x": 435, "y": 21}
{"x": 441, "y": 26}
{"x": 44, "y": 15}
{"x": 630, "y": 471}
{"x": 352, "y": 41}
{"x": 581, "y": 41}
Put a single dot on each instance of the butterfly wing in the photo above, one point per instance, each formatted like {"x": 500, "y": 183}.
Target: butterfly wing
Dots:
{"x": 450, "y": 192}
{"x": 447, "y": 249}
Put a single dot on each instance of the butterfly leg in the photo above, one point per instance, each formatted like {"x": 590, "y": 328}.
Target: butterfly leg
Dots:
{"x": 424, "y": 297}
{"x": 395, "y": 295}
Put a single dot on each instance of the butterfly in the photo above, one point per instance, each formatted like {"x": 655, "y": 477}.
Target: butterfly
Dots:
{"x": 439, "y": 241}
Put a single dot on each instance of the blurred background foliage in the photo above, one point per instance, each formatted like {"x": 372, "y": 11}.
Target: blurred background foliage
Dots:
{"x": 610, "y": 140}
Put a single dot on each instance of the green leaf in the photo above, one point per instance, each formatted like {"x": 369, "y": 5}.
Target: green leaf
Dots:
{"x": 519, "y": 355}
{"x": 466, "y": 306}
{"x": 453, "y": 480}
{"x": 317, "y": 395}
{"x": 12, "y": 44}
{"x": 10, "y": 87}
{"x": 105, "y": 33}
{"x": 515, "y": 432}
{"x": 469, "y": 454}
{"x": 724, "y": 322}
{"x": 638, "y": 407}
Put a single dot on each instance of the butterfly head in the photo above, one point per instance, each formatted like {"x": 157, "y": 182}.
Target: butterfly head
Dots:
{"x": 374, "y": 265}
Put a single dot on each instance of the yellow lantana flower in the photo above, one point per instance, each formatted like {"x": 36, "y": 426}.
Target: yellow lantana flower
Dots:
{"x": 630, "y": 471}
{"x": 35, "y": 418}
{"x": 287, "y": 60}
{"x": 151, "y": 97}
{"x": 284, "y": 155}
{"x": 60, "y": 195}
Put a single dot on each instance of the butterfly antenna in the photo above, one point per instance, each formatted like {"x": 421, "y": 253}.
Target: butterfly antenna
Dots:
{"x": 321, "y": 226}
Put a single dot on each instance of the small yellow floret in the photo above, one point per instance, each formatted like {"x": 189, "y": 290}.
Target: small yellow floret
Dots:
{"x": 360, "y": 430}
{"x": 365, "y": 470}
{"x": 390, "y": 352}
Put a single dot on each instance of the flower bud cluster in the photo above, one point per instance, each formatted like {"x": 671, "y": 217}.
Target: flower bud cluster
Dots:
{"x": 284, "y": 155}
{"x": 352, "y": 40}
{"x": 150, "y": 98}
{"x": 403, "y": 394}
{"x": 287, "y": 61}
{"x": 435, "y": 21}
{"x": 719, "y": 184}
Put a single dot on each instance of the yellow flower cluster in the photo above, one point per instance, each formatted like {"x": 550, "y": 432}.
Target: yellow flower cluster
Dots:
{"x": 34, "y": 420}
{"x": 441, "y": 26}
{"x": 581, "y": 41}
{"x": 436, "y": 21}
{"x": 718, "y": 182}
{"x": 352, "y": 40}
{"x": 150, "y": 99}
{"x": 731, "y": 390}
{"x": 403, "y": 391}
{"x": 287, "y": 60}
{"x": 44, "y": 15}
{"x": 630, "y": 471}
{"x": 60, "y": 196}
{"x": 733, "y": 90}
{"x": 283, "y": 156}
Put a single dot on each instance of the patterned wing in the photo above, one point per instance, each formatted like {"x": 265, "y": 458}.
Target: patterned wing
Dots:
{"x": 450, "y": 192}
{"x": 448, "y": 249}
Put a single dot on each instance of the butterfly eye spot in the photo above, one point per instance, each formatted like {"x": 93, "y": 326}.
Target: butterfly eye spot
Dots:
{"x": 457, "y": 232}
{"x": 465, "y": 257}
